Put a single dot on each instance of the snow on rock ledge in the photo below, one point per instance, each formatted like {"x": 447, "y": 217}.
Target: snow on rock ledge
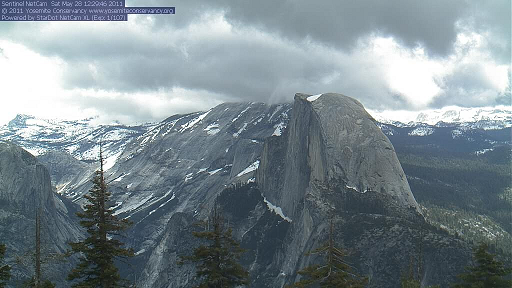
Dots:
{"x": 313, "y": 98}
{"x": 249, "y": 169}
{"x": 276, "y": 210}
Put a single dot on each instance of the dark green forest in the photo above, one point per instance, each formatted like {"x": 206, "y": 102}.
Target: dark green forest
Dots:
{"x": 468, "y": 195}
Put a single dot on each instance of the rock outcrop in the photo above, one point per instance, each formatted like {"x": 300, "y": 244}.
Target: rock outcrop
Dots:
{"x": 295, "y": 166}
{"x": 333, "y": 141}
{"x": 333, "y": 162}
{"x": 25, "y": 187}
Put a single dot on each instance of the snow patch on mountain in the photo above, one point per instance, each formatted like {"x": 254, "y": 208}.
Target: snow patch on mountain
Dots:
{"x": 240, "y": 131}
{"x": 241, "y": 113}
{"x": 193, "y": 122}
{"x": 313, "y": 98}
{"x": 422, "y": 131}
{"x": 118, "y": 179}
{"x": 111, "y": 161}
{"x": 274, "y": 113}
{"x": 188, "y": 177}
{"x": 487, "y": 117}
{"x": 279, "y": 129}
{"x": 386, "y": 129}
{"x": 483, "y": 151}
{"x": 277, "y": 210}
{"x": 36, "y": 151}
{"x": 133, "y": 203}
{"x": 165, "y": 203}
{"x": 214, "y": 171}
{"x": 249, "y": 169}
{"x": 212, "y": 129}
{"x": 457, "y": 133}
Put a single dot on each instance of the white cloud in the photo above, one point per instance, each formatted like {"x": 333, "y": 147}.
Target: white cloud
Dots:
{"x": 142, "y": 70}
{"x": 407, "y": 72}
{"x": 28, "y": 81}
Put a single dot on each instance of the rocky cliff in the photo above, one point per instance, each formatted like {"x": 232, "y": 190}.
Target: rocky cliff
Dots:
{"x": 169, "y": 177}
{"x": 298, "y": 165}
{"x": 24, "y": 188}
{"x": 332, "y": 140}
{"x": 333, "y": 162}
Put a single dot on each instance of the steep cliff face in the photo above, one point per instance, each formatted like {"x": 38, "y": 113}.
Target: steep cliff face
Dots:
{"x": 324, "y": 159}
{"x": 24, "y": 188}
{"x": 333, "y": 162}
{"x": 66, "y": 171}
{"x": 167, "y": 179}
{"x": 332, "y": 140}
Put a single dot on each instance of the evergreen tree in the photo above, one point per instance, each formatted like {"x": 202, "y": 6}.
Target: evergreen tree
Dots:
{"x": 335, "y": 273}
{"x": 411, "y": 282}
{"x": 42, "y": 284}
{"x": 5, "y": 270}
{"x": 37, "y": 281}
{"x": 99, "y": 250}
{"x": 407, "y": 282}
{"x": 217, "y": 263}
{"x": 487, "y": 273}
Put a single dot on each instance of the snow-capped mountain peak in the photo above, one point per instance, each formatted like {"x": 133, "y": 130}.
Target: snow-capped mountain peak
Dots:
{"x": 80, "y": 138}
{"x": 479, "y": 117}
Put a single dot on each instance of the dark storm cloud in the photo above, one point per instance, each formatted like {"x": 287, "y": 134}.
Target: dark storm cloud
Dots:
{"x": 236, "y": 68}
{"x": 244, "y": 69}
{"x": 468, "y": 86}
{"x": 341, "y": 23}
{"x": 494, "y": 17}
{"x": 268, "y": 50}
{"x": 338, "y": 23}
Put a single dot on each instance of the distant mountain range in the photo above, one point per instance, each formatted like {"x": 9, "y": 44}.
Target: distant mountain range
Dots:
{"x": 80, "y": 138}
{"x": 484, "y": 117}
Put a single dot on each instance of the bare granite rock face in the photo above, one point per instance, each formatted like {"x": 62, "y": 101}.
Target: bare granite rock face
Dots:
{"x": 333, "y": 140}
{"x": 66, "y": 171}
{"x": 24, "y": 188}
{"x": 334, "y": 162}
{"x": 294, "y": 168}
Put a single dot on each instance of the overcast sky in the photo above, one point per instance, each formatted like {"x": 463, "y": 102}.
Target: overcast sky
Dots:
{"x": 398, "y": 54}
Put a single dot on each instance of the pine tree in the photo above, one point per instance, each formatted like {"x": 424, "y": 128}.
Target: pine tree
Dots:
{"x": 5, "y": 270}
{"x": 411, "y": 282}
{"x": 217, "y": 263}
{"x": 335, "y": 273}
{"x": 487, "y": 273}
{"x": 408, "y": 280}
{"x": 36, "y": 281}
{"x": 99, "y": 250}
{"x": 42, "y": 284}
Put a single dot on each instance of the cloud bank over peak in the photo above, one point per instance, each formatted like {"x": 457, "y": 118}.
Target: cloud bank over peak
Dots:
{"x": 389, "y": 55}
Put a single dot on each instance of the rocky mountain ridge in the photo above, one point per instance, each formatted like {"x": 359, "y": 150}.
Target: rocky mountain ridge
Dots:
{"x": 78, "y": 138}
{"x": 331, "y": 139}
{"x": 488, "y": 118}
{"x": 25, "y": 189}
{"x": 169, "y": 176}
